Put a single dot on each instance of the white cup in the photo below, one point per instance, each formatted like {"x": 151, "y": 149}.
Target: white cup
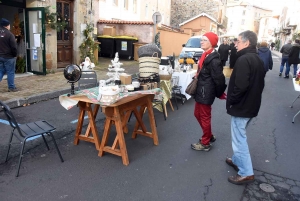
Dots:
{"x": 136, "y": 84}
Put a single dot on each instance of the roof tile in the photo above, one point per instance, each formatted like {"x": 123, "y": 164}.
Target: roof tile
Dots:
{"x": 125, "y": 22}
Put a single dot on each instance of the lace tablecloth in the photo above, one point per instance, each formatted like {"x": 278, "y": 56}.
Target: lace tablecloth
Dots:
{"x": 92, "y": 94}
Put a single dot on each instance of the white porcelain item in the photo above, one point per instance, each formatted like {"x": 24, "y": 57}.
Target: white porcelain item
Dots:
{"x": 136, "y": 84}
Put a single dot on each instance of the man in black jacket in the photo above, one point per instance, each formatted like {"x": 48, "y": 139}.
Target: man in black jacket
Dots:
{"x": 243, "y": 102}
{"x": 294, "y": 57}
{"x": 8, "y": 53}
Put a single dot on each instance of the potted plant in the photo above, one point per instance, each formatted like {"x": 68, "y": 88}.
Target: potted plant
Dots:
{"x": 20, "y": 65}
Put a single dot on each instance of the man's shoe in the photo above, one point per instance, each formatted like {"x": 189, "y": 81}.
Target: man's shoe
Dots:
{"x": 13, "y": 90}
{"x": 200, "y": 147}
{"x": 280, "y": 74}
{"x": 212, "y": 139}
{"x": 230, "y": 163}
{"x": 286, "y": 76}
{"x": 239, "y": 180}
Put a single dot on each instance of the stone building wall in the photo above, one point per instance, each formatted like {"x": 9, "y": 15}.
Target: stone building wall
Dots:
{"x": 182, "y": 10}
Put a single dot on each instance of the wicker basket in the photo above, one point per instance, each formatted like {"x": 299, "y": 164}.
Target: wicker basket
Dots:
{"x": 149, "y": 66}
{"x": 165, "y": 77}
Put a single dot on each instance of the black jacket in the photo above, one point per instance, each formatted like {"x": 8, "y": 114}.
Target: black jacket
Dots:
{"x": 8, "y": 45}
{"x": 294, "y": 54}
{"x": 266, "y": 56}
{"x": 224, "y": 51}
{"x": 286, "y": 49}
{"x": 246, "y": 84}
{"x": 211, "y": 80}
{"x": 233, "y": 56}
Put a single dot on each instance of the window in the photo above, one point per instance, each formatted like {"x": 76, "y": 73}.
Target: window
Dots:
{"x": 115, "y": 2}
{"x": 134, "y": 6}
{"x": 244, "y": 12}
{"x": 146, "y": 11}
{"x": 243, "y": 22}
{"x": 126, "y": 4}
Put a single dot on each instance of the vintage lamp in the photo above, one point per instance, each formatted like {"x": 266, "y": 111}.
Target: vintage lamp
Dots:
{"x": 72, "y": 73}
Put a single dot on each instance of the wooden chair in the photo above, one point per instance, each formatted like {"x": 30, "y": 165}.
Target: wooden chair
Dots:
{"x": 25, "y": 131}
{"x": 88, "y": 79}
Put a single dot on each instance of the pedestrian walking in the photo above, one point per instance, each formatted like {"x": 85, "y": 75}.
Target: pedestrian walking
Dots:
{"x": 8, "y": 53}
{"x": 211, "y": 83}
{"x": 294, "y": 57}
{"x": 285, "y": 50}
{"x": 243, "y": 102}
{"x": 272, "y": 45}
{"x": 224, "y": 52}
{"x": 266, "y": 56}
{"x": 233, "y": 51}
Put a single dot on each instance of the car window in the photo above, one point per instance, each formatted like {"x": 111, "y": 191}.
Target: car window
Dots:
{"x": 193, "y": 42}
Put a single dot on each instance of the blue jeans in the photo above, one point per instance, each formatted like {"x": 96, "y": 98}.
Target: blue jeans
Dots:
{"x": 295, "y": 70}
{"x": 285, "y": 60}
{"x": 241, "y": 155}
{"x": 8, "y": 66}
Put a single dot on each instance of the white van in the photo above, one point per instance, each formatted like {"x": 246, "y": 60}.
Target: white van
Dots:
{"x": 193, "y": 47}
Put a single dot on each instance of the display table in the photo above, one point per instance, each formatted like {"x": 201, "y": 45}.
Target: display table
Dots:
{"x": 184, "y": 80}
{"x": 117, "y": 114}
{"x": 297, "y": 88}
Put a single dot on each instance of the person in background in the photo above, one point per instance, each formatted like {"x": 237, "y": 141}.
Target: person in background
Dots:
{"x": 224, "y": 52}
{"x": 8, "y": 53}
{"x": 233, "y": 56}
{"x": 266, "y": 56}
{"x": 244, "y": 96}
{"x": 294, "y": 57}
{"x": 211, "y": 84}
{"x": 272, "y": 45}
{"x": 285, "y": 50}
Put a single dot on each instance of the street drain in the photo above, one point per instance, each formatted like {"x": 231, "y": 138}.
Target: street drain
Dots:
{"x": 267, "y": 188}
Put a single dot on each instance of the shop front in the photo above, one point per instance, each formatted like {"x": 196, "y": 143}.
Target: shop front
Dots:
{"x": 43, "y": 46}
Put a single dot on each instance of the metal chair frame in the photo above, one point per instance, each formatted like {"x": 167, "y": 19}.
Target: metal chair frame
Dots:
{"x": 25, "y": 131}
{"x": 88, "y": 78}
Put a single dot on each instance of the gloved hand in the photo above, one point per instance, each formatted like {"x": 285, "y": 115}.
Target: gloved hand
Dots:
{"x": 223, "y": 96}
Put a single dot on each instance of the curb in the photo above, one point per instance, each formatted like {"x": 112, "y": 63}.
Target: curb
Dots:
{"x": 18, "y": 102}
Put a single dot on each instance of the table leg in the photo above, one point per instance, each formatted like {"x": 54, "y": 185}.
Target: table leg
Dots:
{"x": 91, "y": 127}
{"x": 152, "y": 121}
{"x": 294, "y": 101}
{"x": 295, "y": 116}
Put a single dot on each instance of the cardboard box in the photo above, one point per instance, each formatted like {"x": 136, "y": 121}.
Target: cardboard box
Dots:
{"x": 125, "y": 79}
{"x": 111, "y": 31}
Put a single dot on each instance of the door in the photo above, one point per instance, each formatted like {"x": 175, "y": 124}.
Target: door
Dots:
{"x": 64, "y": 9}
{"x": 35, "y": 40}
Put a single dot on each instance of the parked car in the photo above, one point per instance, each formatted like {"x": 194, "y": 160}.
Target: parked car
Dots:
{"x": 193, "y": 48}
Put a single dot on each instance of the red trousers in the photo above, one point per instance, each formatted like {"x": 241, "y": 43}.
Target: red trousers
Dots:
{"x": 203, "y": 115}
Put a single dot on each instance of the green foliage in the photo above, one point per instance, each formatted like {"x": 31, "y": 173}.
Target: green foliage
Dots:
{"x": 55, "y": 21}
{"x": 88, "y": 46}
{"x": 157, "y": 40}
{"x": 296, "y": 35}
{"x": 277, "y": 44}
{"x": 20, "y": 65}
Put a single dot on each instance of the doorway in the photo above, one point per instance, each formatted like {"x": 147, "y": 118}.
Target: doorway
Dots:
{"x": 64, "y": 9}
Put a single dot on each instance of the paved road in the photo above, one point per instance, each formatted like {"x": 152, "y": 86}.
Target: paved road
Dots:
{"x": 170, "y": 171}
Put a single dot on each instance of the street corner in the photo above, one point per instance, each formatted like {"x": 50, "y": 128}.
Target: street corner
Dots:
{"x": 272, "y": 187}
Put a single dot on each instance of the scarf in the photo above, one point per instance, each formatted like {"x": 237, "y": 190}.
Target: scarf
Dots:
{"x": 201, "y": 61}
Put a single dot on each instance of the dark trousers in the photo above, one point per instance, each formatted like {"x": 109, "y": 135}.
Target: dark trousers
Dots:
{"x": 203, "y": 115}
{"x": 223, "y": 62}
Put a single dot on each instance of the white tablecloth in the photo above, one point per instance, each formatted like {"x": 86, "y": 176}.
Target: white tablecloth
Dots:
{"x": 184, "y": 80}
{"x": 296, "y": 86}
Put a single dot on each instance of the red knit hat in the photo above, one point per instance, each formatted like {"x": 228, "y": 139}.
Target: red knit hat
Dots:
{"x": 213, "y": 38}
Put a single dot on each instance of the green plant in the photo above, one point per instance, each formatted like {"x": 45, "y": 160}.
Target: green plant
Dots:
{"x": 20, "y": 65}
{"x": 88, "y": 46}
{"x": 296, "y": 35}
{"x": 277, "y": 44}
{"x": 55, "y": 21}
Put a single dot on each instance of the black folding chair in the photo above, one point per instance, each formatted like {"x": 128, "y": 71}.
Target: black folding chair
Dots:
{"x": 88, "y": 78}
{"x": 25, "y": 131}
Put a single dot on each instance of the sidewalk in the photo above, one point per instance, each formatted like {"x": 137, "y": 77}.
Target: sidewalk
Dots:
{"x": 276, "y": 53}
{"x": 36, "y": 88}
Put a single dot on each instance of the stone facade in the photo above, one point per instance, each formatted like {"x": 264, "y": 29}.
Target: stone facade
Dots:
{"x": 182, "y": 10}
